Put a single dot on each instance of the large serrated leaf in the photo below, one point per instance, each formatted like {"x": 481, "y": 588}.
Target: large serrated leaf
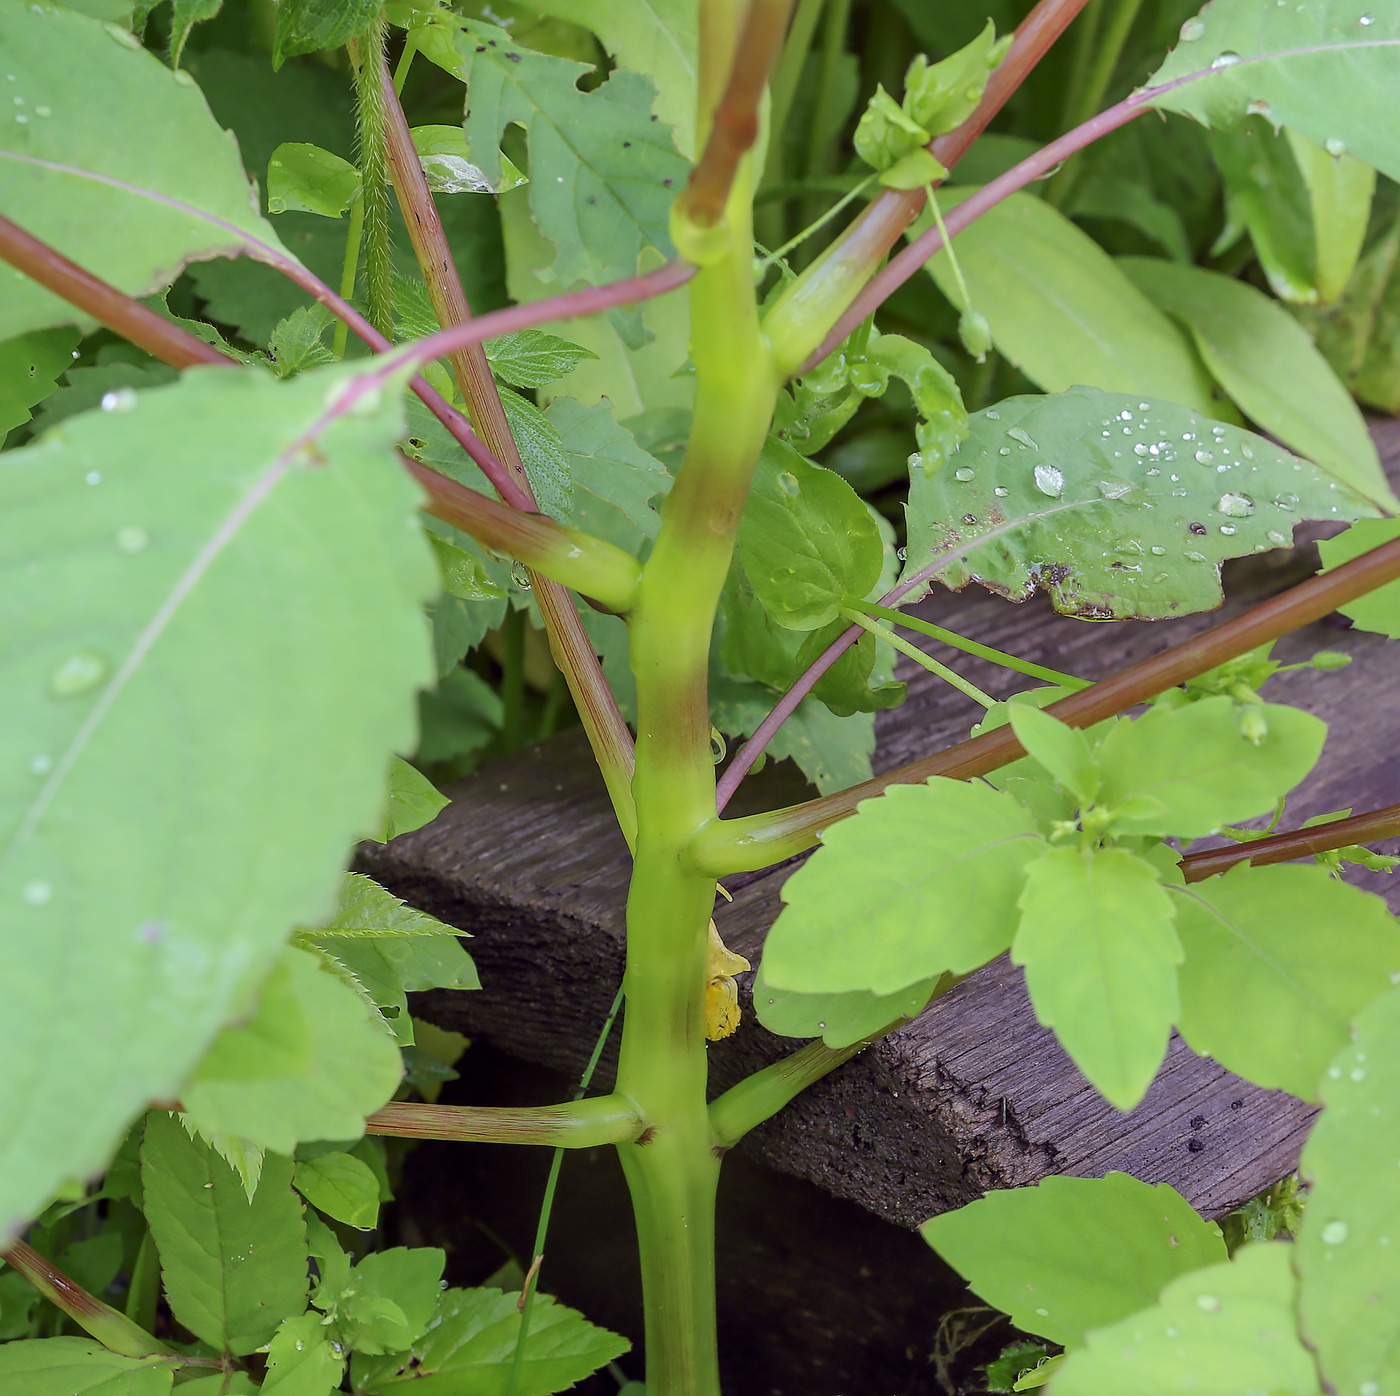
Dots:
{"x": 133, "y": 188}
{"x": 1327, "y": 68}
{"x": 234, "y": 1267}
{"x": 1117, "y": 506}
{"x": 80, "y": 1367}
{"x": 159, "y": 684}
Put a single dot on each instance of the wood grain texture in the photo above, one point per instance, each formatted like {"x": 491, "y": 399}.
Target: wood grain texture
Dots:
{"x": 975, "y": 1094}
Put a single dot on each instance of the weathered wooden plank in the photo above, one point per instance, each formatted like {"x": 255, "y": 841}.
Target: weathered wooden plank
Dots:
{"x": 975, "y": 1094}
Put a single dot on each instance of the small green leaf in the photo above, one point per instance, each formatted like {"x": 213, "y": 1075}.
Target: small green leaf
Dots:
{"x": 445, "y": 156}
{"x": 303, "y": 26}
{"x": 1073, "y": 1254}
{"x": 1063, "y": 751}
{"x": 304, "y": 178}
{"x": 275, "y": 1041}
{"x": 533, "y": 358}
{"x": 233, "y": 1268}
{"x": 942, "y": 424}
{"x": 460, "y": 716}
{"x": 542, "y": 453}
{"x": 1100, "y": 953}
{"x": 1348, "y": 1271}
{"x": 1225, "y": 1328}
{"x": 301, "y": 1361}
{"x": 30, "y": 367}
{"x": 1196, "y": 761}
{"x": 80, "y": 1367}
{"x": 462, "y": 574}
{"x": 185, "y": 14}
{"x": 1117, "y": 506}
{"x": 941, "y": 96}
{"x": 846, "y": 686}
{"x": 886, "y": 133}
{"x": 296, "y": 344}
{"x": 1379, "y": 610}
{"x": 413, "y": 801}
{"x": 342, "y": 1187}
{"x": 227, "y": 1384}
{"x": 391, "y": 1298}
{"x": 920, "y": 881}
{"x": 1340, "y": 190}
{"x": 1263, "y": 990}
{"x": 806, "y": 541}
{"x": 838, "y": 1019}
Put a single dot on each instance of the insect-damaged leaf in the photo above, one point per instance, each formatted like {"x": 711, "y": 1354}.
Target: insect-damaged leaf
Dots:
{"x": 1117, "y": 506}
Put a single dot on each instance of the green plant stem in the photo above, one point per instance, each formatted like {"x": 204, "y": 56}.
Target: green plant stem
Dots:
{"x": 368, "y": 57}
{"x": 846, "y": 199}
{"x": 942, "y": 227}
{"x": 143, "y": 1293}
{"x": 758, "y": 841}
{"x": 1084, "y": 36}
{"x": 513, "y": 678}
{"x": 912, "y": 651}
{"x": 110, "y": 1327}
{"x": 1298, "y": 843}
{"x": 579, "y": 1124}
{"x": 350, "y": 269}
{"x": 960, "y": 642}
{"x": 786, "y": 77}
{"x": 760, "y": 1096}
{"x": 837, "y": 21}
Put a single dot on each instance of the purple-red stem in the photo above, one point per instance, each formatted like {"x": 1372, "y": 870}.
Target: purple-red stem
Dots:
{"x": 1299, "y": 843}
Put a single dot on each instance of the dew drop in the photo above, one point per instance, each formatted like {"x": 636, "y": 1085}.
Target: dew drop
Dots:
{"x": 1159, "y": 578}
{"x": 520, "y": 575}
{"x": 1334, "y": 1233}
{"x": 1369, "y": 1388}
{"x": 964, "y": 475}
{"x": 41, "y": 764}
{"x": 1364, "y": 21}
{"x": 1208, "y": 1303}
{"x": 43, "y": 111}
{"x": 1004, "y": 451}
{"x": 132, "y": 539}
{"x": 1225, "y": 60}
{"x": 1357, "y": 1073}
{"x": 18, "y": 101}
{"x": 992, "y": 416}
{"x": 184, "y": 78}
{"x": 93, "y": 477}
{"x": 822, "y": 1026}
{"x": 902, "y": 554}
{"x": 209, "y": 1185}
{"x": 1286, "y": 501}
{"x": 1001, "y": 491}
{"x": 1044, "y": 1313}
{"x": 1194, "y": 557}
{"x": 1335, "y": 146}
{"x": 38, "y": 892}
{"x": 77, "y": 674}
{"x": 1049, "y": 481}
{"x": 1205, "y": 457}
{"x": 1192, "y": 30}
{"x": 119, "y": 400}
{"x": 1227, "y": 529}
{"x": 123, "y": 36}
{"x": 1016, "y": 434}
{"x": 1279, "y": 540}
{"x": 21, "y": 118}
{"x": 1237, "y": 506}
{"x": 787, "y": 482}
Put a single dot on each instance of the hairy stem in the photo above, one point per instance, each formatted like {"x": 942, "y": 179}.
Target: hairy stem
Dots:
{"x": 1299, "y": 843}
{"x": 367, "y": 55}
{"x": 578, "y": 1124}
{"x": 758, "y": 841}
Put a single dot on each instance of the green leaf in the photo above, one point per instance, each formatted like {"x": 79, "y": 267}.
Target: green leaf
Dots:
{"x": 1059, "y": 308}
{"x": 1100, "y": 954}
{"x": 233, "y": 1268}
{"x": 391, "y": 1298}
{"x": 145, "y": 667}
{"x": 1379, "y": 610}
{"x": 941, "y": 96}
{"x": 463, "y": 575}
{"x": 342, "y": 1187}
{"x": 306, "y": 179}
{"x": 296, "y": 343}
{"x": 806, "y": 540}
{"x": 471, "y": 1348}
{"x": 533, "y": 358}
{"x": 226, "y": 1384}
{"x": 413, "y": 802}
{"x": 1349, "y": 1274}
{"x": 1063, "y": 751}
{"x": 838, "y": 1019}
{"x": 1340, "y": 189}
{"x": 275, "y": 1041}
{"x": 459, "y": 717}
{"x": 846, "y": 686}
{"x": 942, "y": 424}
{"x": 542, "y": 453}
{"x": 301, "y": 1361}
{"x": 1118, "y": 507}
{"x": 80, "y": 1367}
{"x": 1268, "y": 991}
{"x": 602, "y": 171}
{"x": 921, "y": 881}
{"x": 30, "y": 367}
{"x": 1268, "y": 364}
{"x": 1227, "y": 1328}
{"x": 1326, "y": 70}
{"x": 185, "y": 14}
{"x": 445, "y": 157}
{"x": 1073, "y": 1254}
{"x": 886, "y": 134}
{"x": 303, "y": 26}
{"x": 1195, "y": 760}
{"x": 132, "y": 195}
{"x": 355, "y": 1069}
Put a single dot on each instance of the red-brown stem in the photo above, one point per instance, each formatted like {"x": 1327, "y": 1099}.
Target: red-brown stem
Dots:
{"x": 580, "y": 1124}
{"x": 736, "y": 118}
{"x": 758, "y": 841}
{"x": 1300, "y": 843}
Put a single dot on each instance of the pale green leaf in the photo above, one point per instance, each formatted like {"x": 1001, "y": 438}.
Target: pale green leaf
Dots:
{"x": 1118, "y": 506}
{"x": 132, "y": 191}
{"x": 413, "y": 802}
{"x": 463, "y": 575}
{"x": 1348, "y": 1269}
{"x": 1073, "y": 1254}
{"x": 942, "y": 423}
{"x": 1100, "y": 954}
{"x": 303, "y": 26}
{"x": 274, "y": 1041}
{"x": 459, "y": 717}
{"x": 1269, "y": 365}
{"x": 838, "y": 1019}
{"x": 341, "y": 1186}
{"x": 158, "y": 685}
{"x": 806, "y": 540}
{"x": 1225, "y": 1329}
{"x": 1279, "y": 960}
{"x": 79, "y": 1367}
{"x": 1379, "y": 610}
{"x": 1064, "y": 751}
{"x": 1326, "y": 68}
{"x": 1197, "y": 763}
{"x": 306, "y": 179}
{"x": 1060, "y": 310}
{"x": 301, "y": 1361}
{"x": 471, "y": 1347}
{"x": 1340, "y": 189}
{"x": 542, "y": 453}
{"x": 533, "y": 358}
{"x": 30, "y": 366}
{"x": 391, "y": 1298}
{"x": 233, "y": 1267}
{"x": 921, "y": 880}
{"x": 222, "y": 1384}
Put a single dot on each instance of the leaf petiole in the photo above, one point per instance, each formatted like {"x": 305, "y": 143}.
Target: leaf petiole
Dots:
{"x": 883, "y": 632}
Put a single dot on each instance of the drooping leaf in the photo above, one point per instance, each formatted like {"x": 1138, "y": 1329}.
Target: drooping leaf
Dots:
{"x": 1279, "y": 960}
{"x": 1268, "y": 364}
{"x": 1074, "y": 1254}
{"x": 1326, "y": 70}
{"x": 838, "y": 1019}
{"x": 301, "y": 1361}
{"x": 1228, "y": 1327}
{"x": 942, "y": 417}
{"x": 1100, "y": 954}
{"x": 851, "y": 685}
{"x": 1379, "y": 610}
{"x": 1205, "y": 772}
{"x": 30, "y": 366}
{"x": 471, "y": 1347}
{"x": 1064, "y": 751}
{"x": 341, "y": 1186}
{"x": 1116, "y": 506}
{"x": 533, "y": 358}
{"x": 1348, "y": 1271}
{"x": 1060, "y": 310}
{"x": 413, "y": 802}
{"x": 303, "y": 26}
{"x": 152, "y": 657}
{"x": 80, "y": 1367}
{"x": 920, "y": 881}
{"x": 355, "y": 1069}
{"x": 1340, "y": 189}
{"x": 304, "y": 178}
{"x": 233, "y": 1267}
{"x": 806, "y": 540}
{"x": 134, "y": 196}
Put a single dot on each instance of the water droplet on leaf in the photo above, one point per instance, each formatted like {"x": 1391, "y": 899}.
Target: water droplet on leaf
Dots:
{"x": 1225, "y": 60}
{"x": 132, "y": 539}
{"x": 1192, "y": 30}
{"x": 964, "y": 475}
{"x": 38, "y": 892}
{"x": 1334, "y": 1233}
{"x": 77, "y": 674}
{"x": 1049, "y": 481}
{"x": 1016, "y": 434}
{"x": 119, "y": 400}
{"x": 1335, "y": 146}
{"x": 1205, "y": 457}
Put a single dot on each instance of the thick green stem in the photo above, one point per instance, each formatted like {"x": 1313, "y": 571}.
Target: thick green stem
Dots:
{"x": 374, "y": 178}
{"x": 579, "y": 1124}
